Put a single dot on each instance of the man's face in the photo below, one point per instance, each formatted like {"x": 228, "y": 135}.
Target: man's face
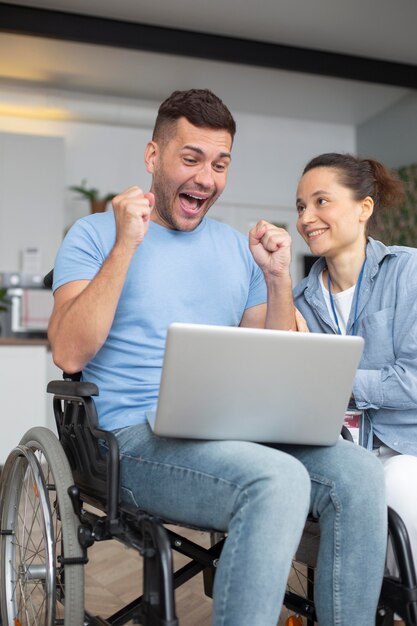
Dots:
{"x": 189, "y": 173}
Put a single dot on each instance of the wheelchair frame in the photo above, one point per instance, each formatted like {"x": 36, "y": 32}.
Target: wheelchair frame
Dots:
{"x": 78, "y": 474}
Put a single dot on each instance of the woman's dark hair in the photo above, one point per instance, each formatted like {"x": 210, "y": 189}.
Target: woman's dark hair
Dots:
{"x": 364, "y": 177}
{"x": 200, "y": 107}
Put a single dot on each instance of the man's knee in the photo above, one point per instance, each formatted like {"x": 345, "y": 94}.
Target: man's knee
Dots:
{"x": 361, "y": 480}
{"x": 289, "y": 482}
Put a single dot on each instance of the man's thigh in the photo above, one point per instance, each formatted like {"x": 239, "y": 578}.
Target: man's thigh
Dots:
{"x": 200, "y": 479}
{"x": 345, "y": 468}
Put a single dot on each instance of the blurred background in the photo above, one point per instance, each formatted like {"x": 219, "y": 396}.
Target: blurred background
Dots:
{"x": 80, "y": 85}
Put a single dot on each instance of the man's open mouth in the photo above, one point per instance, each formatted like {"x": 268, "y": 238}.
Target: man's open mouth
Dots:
{"x": 191, "y": 202}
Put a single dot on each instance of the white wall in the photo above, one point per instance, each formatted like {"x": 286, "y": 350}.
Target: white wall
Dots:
{"x": 109, "y": 157}
{"x": 31, "y": 199}
{"x": 391, "y": 136}
{"x": 268, "y": 156}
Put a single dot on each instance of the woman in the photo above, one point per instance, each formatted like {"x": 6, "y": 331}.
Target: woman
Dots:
{"x": 359, "y": 286}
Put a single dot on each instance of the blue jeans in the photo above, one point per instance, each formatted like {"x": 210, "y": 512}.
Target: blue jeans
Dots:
{"x": 261, "y": 496}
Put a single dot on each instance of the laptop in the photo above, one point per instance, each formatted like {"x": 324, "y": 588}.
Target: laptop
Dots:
{"x": 221, "y": 382}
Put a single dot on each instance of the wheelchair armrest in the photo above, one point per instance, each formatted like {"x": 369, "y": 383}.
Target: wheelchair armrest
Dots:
{"x": 67, "y": 388}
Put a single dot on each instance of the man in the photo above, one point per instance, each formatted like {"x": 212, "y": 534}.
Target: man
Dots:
{"x": 120, "y": 279}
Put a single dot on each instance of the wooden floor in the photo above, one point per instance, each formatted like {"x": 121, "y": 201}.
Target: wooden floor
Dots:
{"x": 113, "y": 578}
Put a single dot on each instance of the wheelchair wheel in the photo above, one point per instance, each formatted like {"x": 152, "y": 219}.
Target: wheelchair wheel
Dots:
{"x": 300, "y": 586}
{"x": 42, "y": 572}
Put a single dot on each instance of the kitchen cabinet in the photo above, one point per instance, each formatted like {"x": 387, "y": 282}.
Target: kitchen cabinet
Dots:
{"x": 25, "y": 369}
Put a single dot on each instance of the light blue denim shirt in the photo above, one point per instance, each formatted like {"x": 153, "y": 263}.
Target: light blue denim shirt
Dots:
{"x": 386, "y": 382}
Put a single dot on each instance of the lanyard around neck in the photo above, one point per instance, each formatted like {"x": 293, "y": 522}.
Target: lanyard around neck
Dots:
{"x": 358, "y": 288}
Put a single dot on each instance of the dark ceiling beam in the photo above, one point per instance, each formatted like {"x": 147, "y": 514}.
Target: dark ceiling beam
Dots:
{"x": 31, "y": 21}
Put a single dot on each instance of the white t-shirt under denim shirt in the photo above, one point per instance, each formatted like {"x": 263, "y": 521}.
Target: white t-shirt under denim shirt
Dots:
{"x": 342, "y": 302}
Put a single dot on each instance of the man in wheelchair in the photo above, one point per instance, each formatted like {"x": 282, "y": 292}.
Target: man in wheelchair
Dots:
{"x": 120, "y": 279}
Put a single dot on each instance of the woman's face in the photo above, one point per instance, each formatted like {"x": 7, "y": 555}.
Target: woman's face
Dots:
{"x": 330, "y": 220}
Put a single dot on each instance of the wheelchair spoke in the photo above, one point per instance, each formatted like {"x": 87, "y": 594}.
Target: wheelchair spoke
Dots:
{"x": 30, "y": 569}
{"x": 23, "y": 544}
{"x": 37, "y": 514}
{"x": 301, "y": 579}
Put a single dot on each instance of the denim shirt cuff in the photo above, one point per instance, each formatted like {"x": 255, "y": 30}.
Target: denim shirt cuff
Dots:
{"x": 367, "y": 389}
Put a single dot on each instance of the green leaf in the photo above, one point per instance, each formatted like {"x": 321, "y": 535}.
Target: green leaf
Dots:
{"x": 4, "y": 300}
{"x": 90, "y": 193}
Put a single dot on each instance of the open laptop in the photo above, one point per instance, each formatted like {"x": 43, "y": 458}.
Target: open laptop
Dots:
{"x": 222, "y": 382}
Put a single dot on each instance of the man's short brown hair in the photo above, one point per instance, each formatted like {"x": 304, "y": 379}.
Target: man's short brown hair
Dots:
{"x": 200, "y": 107}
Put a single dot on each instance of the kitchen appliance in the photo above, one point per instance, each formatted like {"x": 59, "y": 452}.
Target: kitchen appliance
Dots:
{"x": 30, "y": 305}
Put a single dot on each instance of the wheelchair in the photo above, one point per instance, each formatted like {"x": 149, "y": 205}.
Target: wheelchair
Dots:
{"x": 60, "y": 496}
{"x": 398, "y": 593}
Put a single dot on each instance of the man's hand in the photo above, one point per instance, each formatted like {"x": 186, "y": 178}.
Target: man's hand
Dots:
{"x": 271, "y": 248}
{"x": 132, "y": 211}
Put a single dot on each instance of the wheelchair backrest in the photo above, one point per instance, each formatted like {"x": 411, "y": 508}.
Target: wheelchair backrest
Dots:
{"x": 95, "y": 470}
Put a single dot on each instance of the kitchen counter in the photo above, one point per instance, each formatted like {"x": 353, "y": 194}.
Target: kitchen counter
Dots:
{"x": 17, "y": 341}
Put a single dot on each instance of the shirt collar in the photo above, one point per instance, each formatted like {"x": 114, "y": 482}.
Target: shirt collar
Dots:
{"x": 376, "y": 251}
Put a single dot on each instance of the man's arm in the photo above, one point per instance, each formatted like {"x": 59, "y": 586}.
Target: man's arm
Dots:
{"x": 84, "y": 310}
{"x": 271, "y": 248}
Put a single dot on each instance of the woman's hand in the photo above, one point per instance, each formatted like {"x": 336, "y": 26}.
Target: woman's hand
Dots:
{"x": 301, "y": 323}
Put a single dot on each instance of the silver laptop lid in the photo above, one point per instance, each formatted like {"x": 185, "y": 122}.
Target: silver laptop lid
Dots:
{"x": 223, "y": 382}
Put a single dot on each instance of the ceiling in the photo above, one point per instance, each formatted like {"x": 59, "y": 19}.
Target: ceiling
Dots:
{"x": 375, "y": 29}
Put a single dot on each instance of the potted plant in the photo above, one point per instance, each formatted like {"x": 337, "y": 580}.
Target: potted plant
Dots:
{"x": 4, "y": 301}
{"x": 98, "y": 203}
{"x": 4, "y": 304}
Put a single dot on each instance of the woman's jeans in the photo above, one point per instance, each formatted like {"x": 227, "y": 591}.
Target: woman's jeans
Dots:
{"x": 261, "y": 496}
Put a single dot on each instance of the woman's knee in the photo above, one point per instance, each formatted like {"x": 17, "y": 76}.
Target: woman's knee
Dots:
{"x": 401, "y": 481}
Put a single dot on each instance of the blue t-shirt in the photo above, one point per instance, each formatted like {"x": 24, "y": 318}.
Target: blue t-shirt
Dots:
{"x": 206, "y": 276}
